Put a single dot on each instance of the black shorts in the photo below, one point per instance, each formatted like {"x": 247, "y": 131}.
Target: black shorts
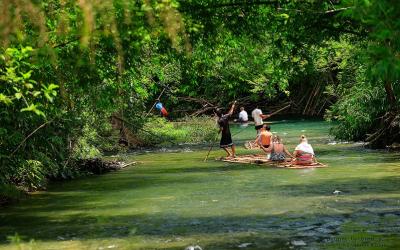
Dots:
{"x": 259, "y": 126}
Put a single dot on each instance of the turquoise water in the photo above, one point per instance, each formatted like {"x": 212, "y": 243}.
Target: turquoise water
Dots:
{"x": 172, "y": 200}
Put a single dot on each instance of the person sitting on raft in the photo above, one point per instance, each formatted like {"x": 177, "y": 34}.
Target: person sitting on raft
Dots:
{"x": 304, "y": 153}
{"x": 264, "y": 138}
{"x": 277, "y": 150}
{"x": 226, "y": 138}
{"x": 243, "y": 116}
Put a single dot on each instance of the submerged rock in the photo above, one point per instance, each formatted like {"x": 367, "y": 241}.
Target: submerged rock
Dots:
{"x": 244, "y": 245}
{"x": 298, "y": 243}
{"x": 197, "y": 247}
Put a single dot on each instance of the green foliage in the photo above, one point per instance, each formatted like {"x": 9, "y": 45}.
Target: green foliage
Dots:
{"x": 18, "y": 88}
{"x": 64, "y": 73}
{"x": 84, "y": 148}
{"x": 369, "y": 85}
{"x": 193, "y": 130}
{"x": 198, "y": 129}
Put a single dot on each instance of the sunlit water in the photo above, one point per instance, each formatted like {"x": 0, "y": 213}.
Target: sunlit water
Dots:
{"x": 172, "y": 200}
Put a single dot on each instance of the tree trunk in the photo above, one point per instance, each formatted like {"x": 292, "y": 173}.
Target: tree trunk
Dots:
{"x": 390, "y": 95}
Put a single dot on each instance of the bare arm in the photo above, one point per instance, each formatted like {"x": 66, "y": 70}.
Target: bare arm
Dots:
{"x": 257, "y": 140}
{"x": 266, "y": 150}
{"x": 287, "y": 152}
{"x": 232, "y": 108}
{"x": 265, "y": 116}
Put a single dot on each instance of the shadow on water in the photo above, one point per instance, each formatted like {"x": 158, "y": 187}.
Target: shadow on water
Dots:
{"x": 263, "y": 230}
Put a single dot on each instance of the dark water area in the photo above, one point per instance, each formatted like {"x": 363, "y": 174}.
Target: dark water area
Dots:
{"x": 173, "y": 200}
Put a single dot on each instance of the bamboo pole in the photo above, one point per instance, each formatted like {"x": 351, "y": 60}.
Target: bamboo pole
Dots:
{"x": 155, "y": 102}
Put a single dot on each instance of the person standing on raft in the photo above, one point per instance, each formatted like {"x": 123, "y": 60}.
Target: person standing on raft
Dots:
{"x": 226, "y": 138}
{"x": 258, "y": 117}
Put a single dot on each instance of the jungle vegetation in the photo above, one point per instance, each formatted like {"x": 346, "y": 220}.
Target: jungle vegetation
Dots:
{"x": 68, "y": 67}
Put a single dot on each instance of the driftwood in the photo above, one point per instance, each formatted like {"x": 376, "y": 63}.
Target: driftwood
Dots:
{"x": 388, "y": 132}
{"x": 206, "y": 105}
{"x": 98, "y": 166}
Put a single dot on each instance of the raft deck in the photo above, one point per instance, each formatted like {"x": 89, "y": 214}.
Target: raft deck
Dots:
{"x": 262, "y": 160}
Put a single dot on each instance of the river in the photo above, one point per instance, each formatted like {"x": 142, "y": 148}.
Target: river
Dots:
{"x": 173, "y": 200}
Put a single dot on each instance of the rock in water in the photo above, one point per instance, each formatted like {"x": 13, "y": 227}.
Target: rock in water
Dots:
{"x": 298, "y": 243}
{"x": 244, "y": 245}
{"x": 193, "y": 248}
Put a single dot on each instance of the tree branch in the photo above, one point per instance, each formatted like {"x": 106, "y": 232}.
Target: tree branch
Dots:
{"x": 26, "y": 138}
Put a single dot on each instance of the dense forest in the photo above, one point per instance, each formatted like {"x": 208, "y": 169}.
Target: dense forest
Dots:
{"x": 68, "y": 69}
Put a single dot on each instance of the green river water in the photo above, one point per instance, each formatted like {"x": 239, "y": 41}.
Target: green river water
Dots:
{"x": 173, "y": 200}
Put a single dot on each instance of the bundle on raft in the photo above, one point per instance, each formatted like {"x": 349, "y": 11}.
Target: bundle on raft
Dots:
{"x": 251, "y": 145}
{"x": 262, "y": 160}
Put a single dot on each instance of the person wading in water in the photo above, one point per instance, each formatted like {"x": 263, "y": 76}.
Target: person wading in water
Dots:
{"x": 226, "y": 138}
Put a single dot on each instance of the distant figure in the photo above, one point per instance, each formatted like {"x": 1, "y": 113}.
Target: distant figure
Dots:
{"x": 258, "y": 118}
{"x": 264, "y": 137}
{"x": 243, "y": 116}
{"x": 277, "y": 150}
{"x": 226, "y": 138}
{"x": 163, "y": 111}
{"x": 304, "y": 153}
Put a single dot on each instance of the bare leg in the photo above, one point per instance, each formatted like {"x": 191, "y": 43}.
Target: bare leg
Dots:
{"x": 227, "y": 151}
{"x": 233, "y": 150}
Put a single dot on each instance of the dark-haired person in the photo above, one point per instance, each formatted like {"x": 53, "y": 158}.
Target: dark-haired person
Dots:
{"x": 258, "y": 118}
{"x": 264, "y": 137}
{"x": 226, "y": 138}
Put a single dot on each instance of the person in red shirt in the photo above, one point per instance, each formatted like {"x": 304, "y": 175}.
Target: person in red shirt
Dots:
{"x": 163, "y": 111}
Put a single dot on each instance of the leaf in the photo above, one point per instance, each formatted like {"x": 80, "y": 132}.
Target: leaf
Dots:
{"x": 52, "y": 86}
{"x": 18, "y": 95}
{"x": 29, "y": 85}
{"x": 33, "y": 108}
{"x": 27, "y": 75}
{"x": 5, "y": 99}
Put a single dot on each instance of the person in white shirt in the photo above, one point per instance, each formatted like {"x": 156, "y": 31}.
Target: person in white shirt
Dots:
{"x": 243, "y": 117}
{"x": 258, "y": 118}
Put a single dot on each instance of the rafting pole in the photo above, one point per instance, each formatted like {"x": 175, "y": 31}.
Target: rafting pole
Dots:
{"x": 279, "y": 110}
{"x": 162, "y": 92}
{"x": 209, "y": 150}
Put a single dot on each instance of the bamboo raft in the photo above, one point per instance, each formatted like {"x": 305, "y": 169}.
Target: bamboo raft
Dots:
{"x": 262, "y": 160}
